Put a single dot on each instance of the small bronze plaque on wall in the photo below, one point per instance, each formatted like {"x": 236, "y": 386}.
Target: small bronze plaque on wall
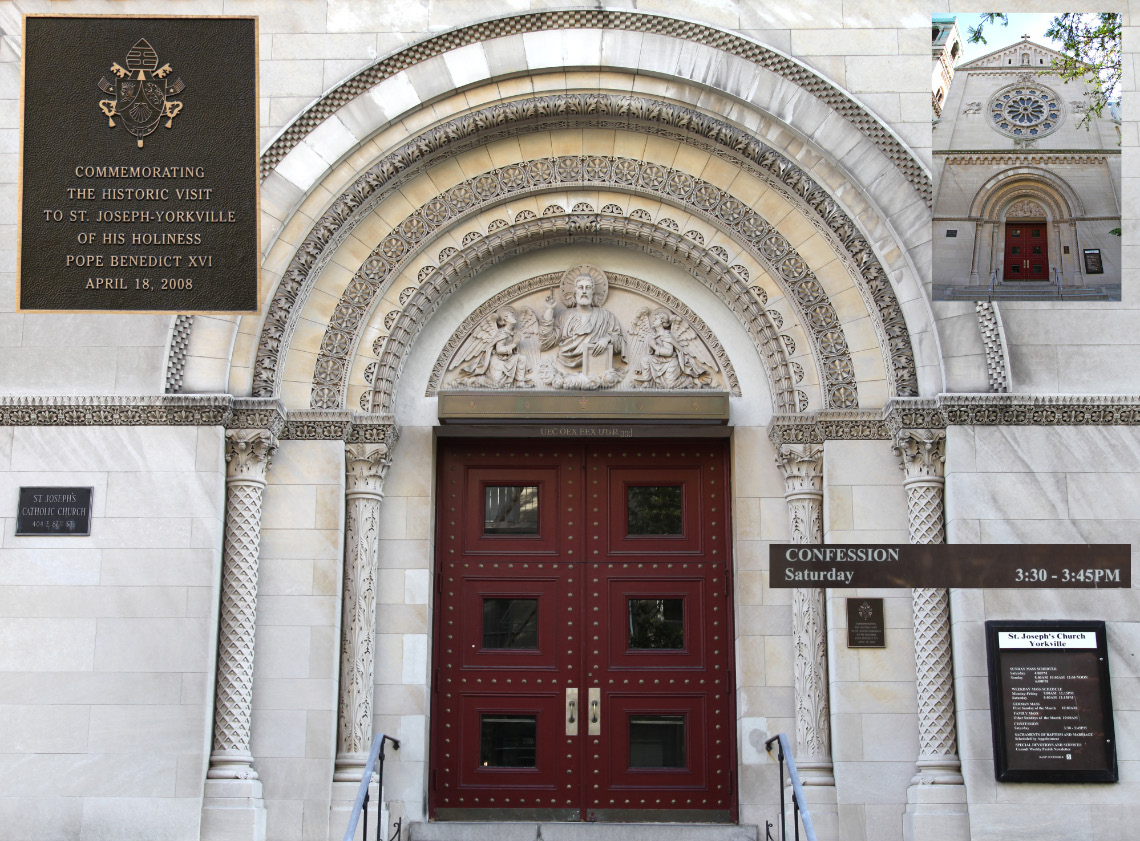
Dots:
{"x": 866, "y": 625}
{"x": 1050, "y": 702}
{"x": 54, "y": 511}
{"x": 138, "y": 164}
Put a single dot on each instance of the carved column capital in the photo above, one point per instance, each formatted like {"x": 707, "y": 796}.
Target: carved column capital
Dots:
{"x": 802, "y": 465}
{"x": 922, "y": 455}
{"x": 365, "y": 466}
{"x": 248, "y": 454}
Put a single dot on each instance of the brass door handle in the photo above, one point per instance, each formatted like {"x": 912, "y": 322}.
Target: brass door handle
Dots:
{"x": 595, "y": 723}
{"x": 571, "y": 711}
{"x": 593, "y": 712}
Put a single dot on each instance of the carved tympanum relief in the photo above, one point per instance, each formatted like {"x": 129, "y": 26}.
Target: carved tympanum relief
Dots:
{"x": 580, "y": 334}
{"x": 1025, "y": 207}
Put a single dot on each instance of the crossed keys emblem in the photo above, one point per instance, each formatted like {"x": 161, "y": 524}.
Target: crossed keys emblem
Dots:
{"x": 142, "y": 92}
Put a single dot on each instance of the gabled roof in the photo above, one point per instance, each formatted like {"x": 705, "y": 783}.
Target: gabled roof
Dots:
{"x": 1014, "y": 52}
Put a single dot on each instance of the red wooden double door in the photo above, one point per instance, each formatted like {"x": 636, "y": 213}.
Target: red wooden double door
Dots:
{"x": 1026, "y": 251}
{"x": 583, "y": 632}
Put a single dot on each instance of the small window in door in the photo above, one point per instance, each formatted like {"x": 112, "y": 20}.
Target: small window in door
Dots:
{"x": 1015, "y": 232}
{"x": 1037, "y": 249}
{"x": 657, "y": 741}
{"x": 653, "y": 511}
{"x": 510, "y": 509}
{"x": 1015, "y": 269}
{"x": 510, "y": 623}
{"x": 508, "y": 741}
{"x": 657, "y": 624}
{"x": 1016, "y": 249}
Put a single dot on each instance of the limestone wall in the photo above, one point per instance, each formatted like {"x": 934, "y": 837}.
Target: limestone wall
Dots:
{"x": 297, "y": 652}
{"x": 107, "y": 642}
{"x": 873, "y": 707}
{"x": 1037, "y": 485}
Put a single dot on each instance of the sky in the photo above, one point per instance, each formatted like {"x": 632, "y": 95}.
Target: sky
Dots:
{"x": 998, "y": 36}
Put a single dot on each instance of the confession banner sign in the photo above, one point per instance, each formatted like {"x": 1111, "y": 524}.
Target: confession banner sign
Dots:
{"x": 940, "y": 565}
{"x": 138, "y": 164}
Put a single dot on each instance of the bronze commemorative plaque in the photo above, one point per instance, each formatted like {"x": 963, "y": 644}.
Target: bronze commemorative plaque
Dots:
{"x": 866, "y": 624}
{"x": 138, "y": 164}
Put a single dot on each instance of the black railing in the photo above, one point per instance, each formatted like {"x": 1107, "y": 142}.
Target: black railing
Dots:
{"x": 799, "y": 805}
{"x": 360, "y": 805}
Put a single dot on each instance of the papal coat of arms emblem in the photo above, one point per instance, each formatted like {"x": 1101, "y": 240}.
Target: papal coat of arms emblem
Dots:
{"x": 142, "y": 92}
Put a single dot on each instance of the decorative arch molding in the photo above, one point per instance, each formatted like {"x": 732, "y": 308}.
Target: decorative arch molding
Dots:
{"x": 748, "y": 229}
{"x": 765, "y": 57}
{"x": 511, "y": 118}
{"x": 616, "y": 281}
{"x": 531, "y": 232}
{"x": 1032, "y": 181}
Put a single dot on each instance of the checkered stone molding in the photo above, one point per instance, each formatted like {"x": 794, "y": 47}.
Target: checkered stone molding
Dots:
{"x": 815, "y": 313}
{"x": 798, "y": 74}
{"x": 643, "y": 114}
{"x": 457, "y": 265}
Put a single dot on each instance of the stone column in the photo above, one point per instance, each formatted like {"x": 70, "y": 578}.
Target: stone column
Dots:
{"x": 1078, "y": 259}
{"x": 1060, "y": 250}
{"x": 975, "y": 279}
{"x": 365, "y": 466}
{"x": 232, "y": 806}
{"x": 936, "y": 798}
{"x": 803, "y": 478}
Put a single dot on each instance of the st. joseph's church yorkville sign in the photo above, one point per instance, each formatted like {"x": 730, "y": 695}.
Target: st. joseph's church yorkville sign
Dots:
{"x": 139, "y": 164}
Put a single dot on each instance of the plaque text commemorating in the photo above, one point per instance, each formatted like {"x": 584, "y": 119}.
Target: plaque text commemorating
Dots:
{"x": 866, "y": 625}
{"x": 1050, "y": 702}
{"x": 54, "y": 511}
{"x": 138, "y": 188}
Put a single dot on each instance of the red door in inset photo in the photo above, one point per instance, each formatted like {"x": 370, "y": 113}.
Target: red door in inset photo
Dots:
{"x": 1026, "y": 252}
{"x": 583, "y": 632}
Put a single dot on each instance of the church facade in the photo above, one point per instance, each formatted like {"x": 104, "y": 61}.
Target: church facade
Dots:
{"x": 1028, "y": 198}
{"x": 567, "y": 316}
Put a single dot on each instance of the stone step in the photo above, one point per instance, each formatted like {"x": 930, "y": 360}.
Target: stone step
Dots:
{"x": 523, "y": 831}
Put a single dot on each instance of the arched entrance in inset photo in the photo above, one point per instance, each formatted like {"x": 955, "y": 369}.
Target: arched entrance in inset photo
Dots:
{"x": 583, "y": 632}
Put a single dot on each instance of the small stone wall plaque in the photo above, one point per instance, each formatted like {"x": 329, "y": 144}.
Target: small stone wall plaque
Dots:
{"x": 1050, "y": 702}
{"x": 866, "y": 625}
{"x": 138, "y": 164}
{"x": 54, "y": 511}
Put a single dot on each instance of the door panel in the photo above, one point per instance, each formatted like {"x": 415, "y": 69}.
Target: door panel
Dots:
{"x": 1026, "y": 252}
{"x": 583, "y": 670}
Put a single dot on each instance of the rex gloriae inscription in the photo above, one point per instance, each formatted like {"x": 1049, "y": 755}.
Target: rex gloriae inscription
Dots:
{"x": 138, "y": 168}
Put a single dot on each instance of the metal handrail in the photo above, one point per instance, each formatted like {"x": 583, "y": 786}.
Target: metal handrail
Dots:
{"x": 1060, "y": 290}
{"x": 993, "y": 280}
{"x": 799, "y": 802}
{"x": 360, "y": 805}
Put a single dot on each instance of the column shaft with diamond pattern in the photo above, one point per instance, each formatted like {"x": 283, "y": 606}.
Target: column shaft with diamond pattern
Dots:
{"x": 247, "y": 458}
{"x": 922, "y": 452}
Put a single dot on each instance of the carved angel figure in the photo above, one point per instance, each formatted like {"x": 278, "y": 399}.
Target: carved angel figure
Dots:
{"x": 667, "y": 353}
{"x": 502, "y": 352}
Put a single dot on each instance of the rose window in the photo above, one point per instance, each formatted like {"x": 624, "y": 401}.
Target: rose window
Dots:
{"x": 1025, "y": 111}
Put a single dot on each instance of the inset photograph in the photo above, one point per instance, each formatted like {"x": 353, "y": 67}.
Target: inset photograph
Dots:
{"x": 1026, "y": 156}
